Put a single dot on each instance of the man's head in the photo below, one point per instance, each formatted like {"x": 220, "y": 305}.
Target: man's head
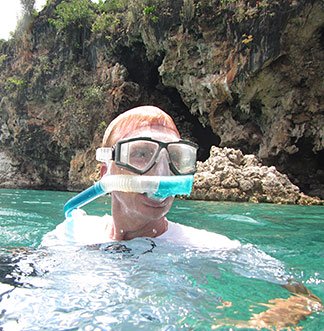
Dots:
{"x": 134, "y": 119}
{"x": 144, "y": 121}
{"x": 144, "y": 141}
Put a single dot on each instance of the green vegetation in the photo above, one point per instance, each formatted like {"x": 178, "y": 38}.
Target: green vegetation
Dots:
{"x": 3, "y": 58}
{"x": 105, "y": 22}
{"x": 93, "y": 95}
{"x": 227, "y": 2}
{"x": 243, "y": 10}
{"x": 102, "y": 126}
{"x": 104, "y": 16}
{"x": 151, "y": 13}
{"x": 71, "y": 100}
{"x": 79, "y": 13}
{"x": 14, "y": 83}
{"x": 112, "y": 5}
{"x": 111, "y": 15}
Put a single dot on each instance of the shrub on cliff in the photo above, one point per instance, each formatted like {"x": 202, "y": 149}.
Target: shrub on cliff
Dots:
{"x": 75, "y": 19}
{"x": 78, "y": 13}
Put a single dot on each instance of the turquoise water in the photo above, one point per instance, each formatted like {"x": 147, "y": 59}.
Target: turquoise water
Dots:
{"x": 170, "y": 289}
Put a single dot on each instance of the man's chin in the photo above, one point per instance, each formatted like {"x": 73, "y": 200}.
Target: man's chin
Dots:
{"x": 155, "y": 202}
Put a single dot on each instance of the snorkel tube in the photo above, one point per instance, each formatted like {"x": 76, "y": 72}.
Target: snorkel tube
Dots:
{"x": 158, "y": 187}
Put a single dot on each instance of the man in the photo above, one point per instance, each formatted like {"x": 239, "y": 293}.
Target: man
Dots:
{"x": 144, "y": 141}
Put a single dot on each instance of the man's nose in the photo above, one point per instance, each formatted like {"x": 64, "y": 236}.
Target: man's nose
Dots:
{"x": 161, "y": 166}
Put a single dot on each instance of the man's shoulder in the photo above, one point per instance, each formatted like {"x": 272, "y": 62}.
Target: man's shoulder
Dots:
{"x": 79, "y": 229}
{"x": 198, "y": 238}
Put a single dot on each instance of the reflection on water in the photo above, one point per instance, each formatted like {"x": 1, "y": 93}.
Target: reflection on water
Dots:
{"x": 132, "y": 285}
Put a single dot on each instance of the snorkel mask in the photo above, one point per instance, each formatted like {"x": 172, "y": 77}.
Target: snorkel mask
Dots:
{"x": 140, "y": 155}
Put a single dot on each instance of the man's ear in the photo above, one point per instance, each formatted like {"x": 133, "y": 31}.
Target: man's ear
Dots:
{"x": 103, "y": 169}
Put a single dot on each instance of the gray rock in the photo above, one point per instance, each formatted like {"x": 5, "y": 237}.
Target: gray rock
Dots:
{"x": 229, "y": 175}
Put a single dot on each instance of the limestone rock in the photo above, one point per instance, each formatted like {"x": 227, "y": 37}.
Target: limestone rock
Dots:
{"x": 12, "y": 177}
{"x": 231, "y": 176}
{"x": 239, "y": 74}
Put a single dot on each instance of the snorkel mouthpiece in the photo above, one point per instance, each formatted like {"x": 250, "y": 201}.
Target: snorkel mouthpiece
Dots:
{"x": 156, "y": 187}
{"x": 173, "y": 185}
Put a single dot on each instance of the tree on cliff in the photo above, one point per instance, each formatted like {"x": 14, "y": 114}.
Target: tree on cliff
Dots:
{"x": 28, "y": 13}
{"x": 75, "y": 18}
{"x": 27, "y": 6}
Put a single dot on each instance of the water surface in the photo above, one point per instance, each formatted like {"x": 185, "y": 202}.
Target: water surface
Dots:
{"x": 145, "y": 285}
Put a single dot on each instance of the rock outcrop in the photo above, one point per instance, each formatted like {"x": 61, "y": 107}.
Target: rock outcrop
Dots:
{"x": 11, "y": 175}
{"x": 228, "y": 175}
{"x": 238, "y": 74}
{"x": 255, "y": 75}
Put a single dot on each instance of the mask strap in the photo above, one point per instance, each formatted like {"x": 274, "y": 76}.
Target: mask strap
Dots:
{"x": 104, "y": 154}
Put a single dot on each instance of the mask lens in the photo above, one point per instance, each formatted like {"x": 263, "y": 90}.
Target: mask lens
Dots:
{"x": 183, "y": 157}
{"x": 138, "y": 154}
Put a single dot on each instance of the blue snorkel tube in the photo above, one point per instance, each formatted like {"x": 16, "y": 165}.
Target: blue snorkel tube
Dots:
{"x": 93, "y": 192}
{"x": 157, "y": 187}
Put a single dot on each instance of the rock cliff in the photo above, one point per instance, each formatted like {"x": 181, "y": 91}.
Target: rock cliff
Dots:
{"x": 236, "y": 74}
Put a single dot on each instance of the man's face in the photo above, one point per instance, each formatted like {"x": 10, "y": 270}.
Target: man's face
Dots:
{"x": 137, "y": 205}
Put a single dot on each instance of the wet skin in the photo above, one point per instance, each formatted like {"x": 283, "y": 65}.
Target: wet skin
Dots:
{"x": 135, "y": 214}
